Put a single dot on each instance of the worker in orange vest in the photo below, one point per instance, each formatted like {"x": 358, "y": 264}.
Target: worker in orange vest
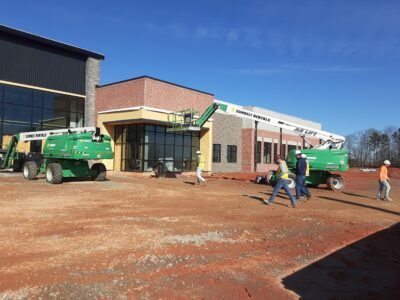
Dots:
{"x": 384, "y": 182}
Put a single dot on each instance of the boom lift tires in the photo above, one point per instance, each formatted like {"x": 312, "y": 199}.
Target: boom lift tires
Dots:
{"x": 335, "y": 182}
{"x": 292, "y": 180}
{"x": 100, "y": 172}
{"x": 30, "y": 170}
{"x": 54, "y": 173}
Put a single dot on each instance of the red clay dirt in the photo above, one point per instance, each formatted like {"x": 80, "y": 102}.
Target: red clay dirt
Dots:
{"x": 147, "y": 238}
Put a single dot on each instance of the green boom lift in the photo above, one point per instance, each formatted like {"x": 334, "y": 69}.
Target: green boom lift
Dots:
{"x": 66, "y": 153}
{"x": 325, "y": 160}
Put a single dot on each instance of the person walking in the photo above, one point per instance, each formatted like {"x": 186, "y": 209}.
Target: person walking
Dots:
{"x": 199, "y": 169}
{"x": 283, "y": 175}
{"x": 308, "y": 164}
{"x": 384, "y": 182}
{"x": 301, "y": 170}
{"x": 307, "y": 173}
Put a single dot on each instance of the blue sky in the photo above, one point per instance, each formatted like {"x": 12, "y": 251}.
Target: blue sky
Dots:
{"x": 334, "y": 62}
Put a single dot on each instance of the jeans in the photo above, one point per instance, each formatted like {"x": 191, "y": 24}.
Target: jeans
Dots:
{"x": 301, "y": 188}
{"x": 199, "y": 177}
{"x": 282, "y": 183}
{"x": 383, "y": 185}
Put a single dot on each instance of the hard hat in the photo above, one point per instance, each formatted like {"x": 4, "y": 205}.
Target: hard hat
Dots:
{"x": 297, "y": 152}
{"x": 386, "y": 162}
{"x": 198, "y": 152}
{"x": 304, "y": 156}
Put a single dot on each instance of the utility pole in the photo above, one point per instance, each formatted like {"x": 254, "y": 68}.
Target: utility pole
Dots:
{"x": 255, "y": 145}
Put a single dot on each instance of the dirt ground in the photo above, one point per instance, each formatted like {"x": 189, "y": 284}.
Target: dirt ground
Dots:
{"x": 147, "y": 238}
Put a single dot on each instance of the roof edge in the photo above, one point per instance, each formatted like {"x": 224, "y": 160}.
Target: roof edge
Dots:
{"x": 49, "y": 42}
{"x": 156, "y": 79}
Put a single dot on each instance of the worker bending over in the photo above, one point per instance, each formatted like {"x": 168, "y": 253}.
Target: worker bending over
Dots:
{"x": 200, "y": 167}
{"x": 384, "y": 182}
{"x": 283, "y": 176}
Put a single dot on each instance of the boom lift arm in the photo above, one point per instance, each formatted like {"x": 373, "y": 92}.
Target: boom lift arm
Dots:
{"x": 331, "y": 140}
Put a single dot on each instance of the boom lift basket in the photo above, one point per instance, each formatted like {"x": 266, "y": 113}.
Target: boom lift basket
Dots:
{"x": 184, "y": 120}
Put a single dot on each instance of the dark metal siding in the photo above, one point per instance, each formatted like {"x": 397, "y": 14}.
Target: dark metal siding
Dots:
{"x": 36, "y": 64}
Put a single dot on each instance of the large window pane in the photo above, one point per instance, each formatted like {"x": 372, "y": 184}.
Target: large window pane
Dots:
{"x": 55, "y": 118}
{"x": 231, "y": 153}
{"x": 37, "y": 99}
{"x": 160, "y": 138}
{"x": 187, "y": 153}
{"x": 18, "y": 113}
{"x": 216, "y": 157}
{"x": 258, "y": 153}
{"x": 19, "y": 96}
{"x": 150, "y": 137}
{"x": 178, "y": 139}
{"x": 159, "y": 151}
{"x": 187, "y": 139}
{"x": 169, "y": 138}
{"x": 178, "y": 153}
{"x": 267, "y": 153}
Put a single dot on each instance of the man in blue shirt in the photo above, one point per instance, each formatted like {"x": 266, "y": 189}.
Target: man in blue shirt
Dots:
{"x": 301, "y": 170}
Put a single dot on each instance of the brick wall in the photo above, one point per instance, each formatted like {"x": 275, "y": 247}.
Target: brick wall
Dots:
{"x": 171, "y": 97}
{"x": 266, "y": 136}
{"x": 150, "y": 92}
{"x": 120, "y": 95}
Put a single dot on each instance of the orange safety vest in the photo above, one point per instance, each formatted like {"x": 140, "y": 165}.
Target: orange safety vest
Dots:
{"x": 383, "y": 173}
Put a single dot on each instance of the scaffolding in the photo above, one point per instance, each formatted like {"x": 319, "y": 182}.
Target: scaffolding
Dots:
{"x": 184, "y": 120}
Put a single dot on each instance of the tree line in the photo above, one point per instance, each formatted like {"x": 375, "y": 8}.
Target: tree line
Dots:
{"x": 369, "y": 148}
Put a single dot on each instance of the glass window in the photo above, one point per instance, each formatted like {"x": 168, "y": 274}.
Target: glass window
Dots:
{"x": 149, "y": 151}
{"x": 169, "y": 139}
{"x": 283, "y": 151}
{"x": 291, "y": 147}
{"x": 258, "y": 154}
{"x": 176, "y": 150}
{"x": 160, "y": 129}
{"x": 169, "y": 152}
{"x": 267, "y": 153}
{"x": 231, "y": 153}
{"x": 160, "y": 138}
{"x": 18, "y": 96}
{"x": 118, "y": 134}
{"x": 159, "y": 151}
{"x": 37, "y": 99}
{"x": 20, "y": 113}
{"x": 276, "y": 149}
{"x": 216, "y": 158}
{"x": 187, "y": 153}
{"x": 150, "y": 137}
{"x": 187, "y": 138}
{"x": 178, "y": 139}
{"x": 150, "y": 128}
{"x": 178, "y": 153}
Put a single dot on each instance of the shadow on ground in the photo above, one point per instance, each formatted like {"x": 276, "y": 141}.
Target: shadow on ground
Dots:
{"x": 366, "y": 269}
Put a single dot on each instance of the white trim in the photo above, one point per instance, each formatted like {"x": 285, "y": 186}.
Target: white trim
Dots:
{"x": 268, "y": 140}
{"x": 292, "y": 143}
{"x": 40, "y": 88}
{"x": 134, "y": 108}
{"x": 148, "y": 108}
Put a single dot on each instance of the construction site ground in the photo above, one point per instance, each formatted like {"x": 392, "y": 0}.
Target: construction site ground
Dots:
{"x": 148, "y": 238}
